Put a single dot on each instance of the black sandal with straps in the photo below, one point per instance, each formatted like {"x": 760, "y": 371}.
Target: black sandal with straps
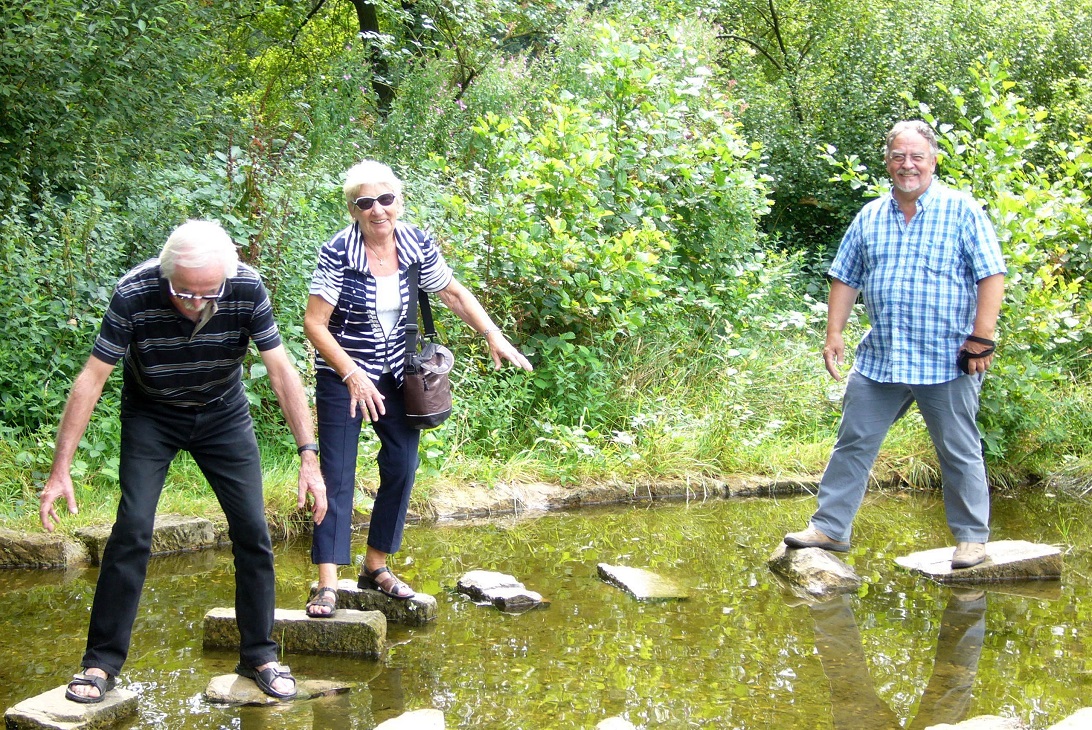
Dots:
{"x": 320, "y": 600}
{"x": 391, "y": 586}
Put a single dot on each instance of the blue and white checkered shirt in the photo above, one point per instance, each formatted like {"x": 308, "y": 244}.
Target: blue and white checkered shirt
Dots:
{"x": 919, "y": 282}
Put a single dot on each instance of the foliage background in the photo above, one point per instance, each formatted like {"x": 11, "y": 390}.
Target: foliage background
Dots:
{"x": 644, "y": 193}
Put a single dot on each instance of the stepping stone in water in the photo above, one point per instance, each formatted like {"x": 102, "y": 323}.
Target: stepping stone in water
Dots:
{"x": 51, "y": 711}
{"x": 231, "y": 689}
{"x": 415, "y": 611}
{"x": 643, "y": 585}
{"x": 500, "y": 590}
{"x": 359, "y": 633}
{"x": 1006, "y": 560}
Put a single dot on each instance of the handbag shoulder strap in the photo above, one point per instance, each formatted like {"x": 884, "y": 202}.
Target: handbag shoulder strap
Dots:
{"x": 416, "y": 294}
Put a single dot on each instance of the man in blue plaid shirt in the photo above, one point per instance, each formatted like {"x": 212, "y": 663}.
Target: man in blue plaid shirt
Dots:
{"x": 926, "y": 260}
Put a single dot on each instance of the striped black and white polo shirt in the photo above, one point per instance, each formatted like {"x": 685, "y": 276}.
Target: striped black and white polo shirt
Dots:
{"x": 172, "y": 360}
{"x": 343, "y": 280}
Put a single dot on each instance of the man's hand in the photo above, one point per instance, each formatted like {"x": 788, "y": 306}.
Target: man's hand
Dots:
{"x": 59, "y": 486}
{"x": 311, "y": 482}
{"x": 974, "y": 347}
{"x": 834, "y": 351}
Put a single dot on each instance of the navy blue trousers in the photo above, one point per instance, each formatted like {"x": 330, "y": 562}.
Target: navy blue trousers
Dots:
{"x": 221, "y": 441}
{"x": 339, "y": 435}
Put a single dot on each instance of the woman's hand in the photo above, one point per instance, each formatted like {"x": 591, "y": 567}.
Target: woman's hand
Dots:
{"x": 363, "y": 393}
{"x": 501, "y": 349}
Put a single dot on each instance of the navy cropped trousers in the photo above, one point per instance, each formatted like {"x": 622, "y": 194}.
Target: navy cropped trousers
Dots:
{"x": 339, "y": 434}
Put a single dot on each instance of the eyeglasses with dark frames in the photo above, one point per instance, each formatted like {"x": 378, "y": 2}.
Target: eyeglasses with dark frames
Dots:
{"x": 365, "y": 203}
{"x": 187, "y": 297}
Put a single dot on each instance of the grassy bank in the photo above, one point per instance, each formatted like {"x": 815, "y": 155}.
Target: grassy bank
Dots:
{"x": 680, "y": 410}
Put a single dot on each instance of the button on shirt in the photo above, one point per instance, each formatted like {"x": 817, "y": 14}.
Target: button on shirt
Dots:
{"x": 342, "y": 279}
{"x": 918, "y": 281}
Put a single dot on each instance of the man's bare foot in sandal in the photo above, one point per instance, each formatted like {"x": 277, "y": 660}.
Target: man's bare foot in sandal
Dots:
{"x": 89, "y": 687}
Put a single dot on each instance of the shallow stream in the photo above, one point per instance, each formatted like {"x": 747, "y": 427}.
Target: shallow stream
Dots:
{"x": 904, "y": 652}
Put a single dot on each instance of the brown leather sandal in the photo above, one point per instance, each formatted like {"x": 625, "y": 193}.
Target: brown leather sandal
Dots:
{"x": 320, "y": 600}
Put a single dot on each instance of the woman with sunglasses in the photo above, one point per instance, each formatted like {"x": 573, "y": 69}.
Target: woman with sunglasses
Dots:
{"x": 356, "y": 319}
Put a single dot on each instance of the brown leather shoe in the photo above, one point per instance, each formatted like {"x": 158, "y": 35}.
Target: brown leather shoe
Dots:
{"x": 968, "y": 555}
{"x": 813, "y": 537}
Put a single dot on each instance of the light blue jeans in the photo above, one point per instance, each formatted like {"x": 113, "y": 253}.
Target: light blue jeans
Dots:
{"x": 869, "y": 409}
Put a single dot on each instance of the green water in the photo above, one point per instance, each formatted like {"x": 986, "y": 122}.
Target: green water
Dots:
{"x": 903, "y": 653}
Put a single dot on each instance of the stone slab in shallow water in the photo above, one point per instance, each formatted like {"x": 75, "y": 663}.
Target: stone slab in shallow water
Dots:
{"x": 415, "y": 611}
{"x": 51, "y": 711}
{"x": 1006, "y": 560}
{"x": 416, "y": 720}
{"x": 231, "y": 689}
{"x": 39, "y": 550}
{"x": 813, "y": 573}
{"x": 1079, "y": 720}
{"x": 357, "y": 633}
{"x": 170, "y": 534}
{"x": 499, "y": 589}
{"x": 983, "y": 722}
{"x": 644, "y": 585}
{"x": 615, "y": 723}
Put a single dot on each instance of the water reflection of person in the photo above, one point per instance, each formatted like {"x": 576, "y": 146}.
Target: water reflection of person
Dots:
{"x": 947, "y": 697}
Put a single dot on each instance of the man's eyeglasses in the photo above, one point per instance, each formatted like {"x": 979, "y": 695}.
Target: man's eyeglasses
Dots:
{"x": 187, "y": 297}
{"x": 365, "y": 203}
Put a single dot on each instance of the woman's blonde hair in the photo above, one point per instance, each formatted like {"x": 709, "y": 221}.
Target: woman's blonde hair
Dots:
{"x": 369, "y": 172}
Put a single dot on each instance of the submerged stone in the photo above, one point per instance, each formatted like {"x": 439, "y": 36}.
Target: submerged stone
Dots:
{"x": 983, "y": 722}
{"x": 1006, "y": 560}
{"x": 416, "y": 720}
{"x": 499, "y": 589}
{"x": 1079, "y": 720}
{"x": 51, "y": 711}
{"x": 644, "y": 585}
{"x": 615, "y": 723}
{"x": 813, "y": 571}
{"x": 39, "y": 550}
{"x": 357, "y": 633}
{"x": 415, "y": 611}
{"x": 231, "y": 689}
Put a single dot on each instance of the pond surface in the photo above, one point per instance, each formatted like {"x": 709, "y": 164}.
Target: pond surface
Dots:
{"x": 904, "y": 652}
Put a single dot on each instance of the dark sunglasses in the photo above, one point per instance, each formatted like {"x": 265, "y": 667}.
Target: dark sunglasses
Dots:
{"x": 365, "y": 203}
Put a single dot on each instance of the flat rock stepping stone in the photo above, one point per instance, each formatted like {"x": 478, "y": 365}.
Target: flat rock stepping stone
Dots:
{"x": 1079, "y": 720}
{"x": 1006, "y": 560}
{"x": 170, "y": 534}
{"x": 415, "y": 611}
{"x": 644, "y": 585}
{"x": 812, "y": 572}
{"x": 51, "y": 711}
{"x": 358, "y": 633}
{"x": 983, "y": 722}
{"x": 500, "y": 590}
{"x": 231, "y": 689}
{"x": 40, "y": 550}
{"x": 416, "y": 720}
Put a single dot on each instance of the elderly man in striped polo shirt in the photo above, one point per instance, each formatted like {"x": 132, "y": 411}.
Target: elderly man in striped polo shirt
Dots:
{"x": 926, "y": 260}
{"x": 182, "y": 323}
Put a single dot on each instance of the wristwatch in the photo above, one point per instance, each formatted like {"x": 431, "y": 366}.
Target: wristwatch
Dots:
{"x": 307, "y": 447}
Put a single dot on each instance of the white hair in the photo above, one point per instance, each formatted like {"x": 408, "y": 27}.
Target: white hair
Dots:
{"x": 369, "y": 172}
{"x": 196, "y": 244}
